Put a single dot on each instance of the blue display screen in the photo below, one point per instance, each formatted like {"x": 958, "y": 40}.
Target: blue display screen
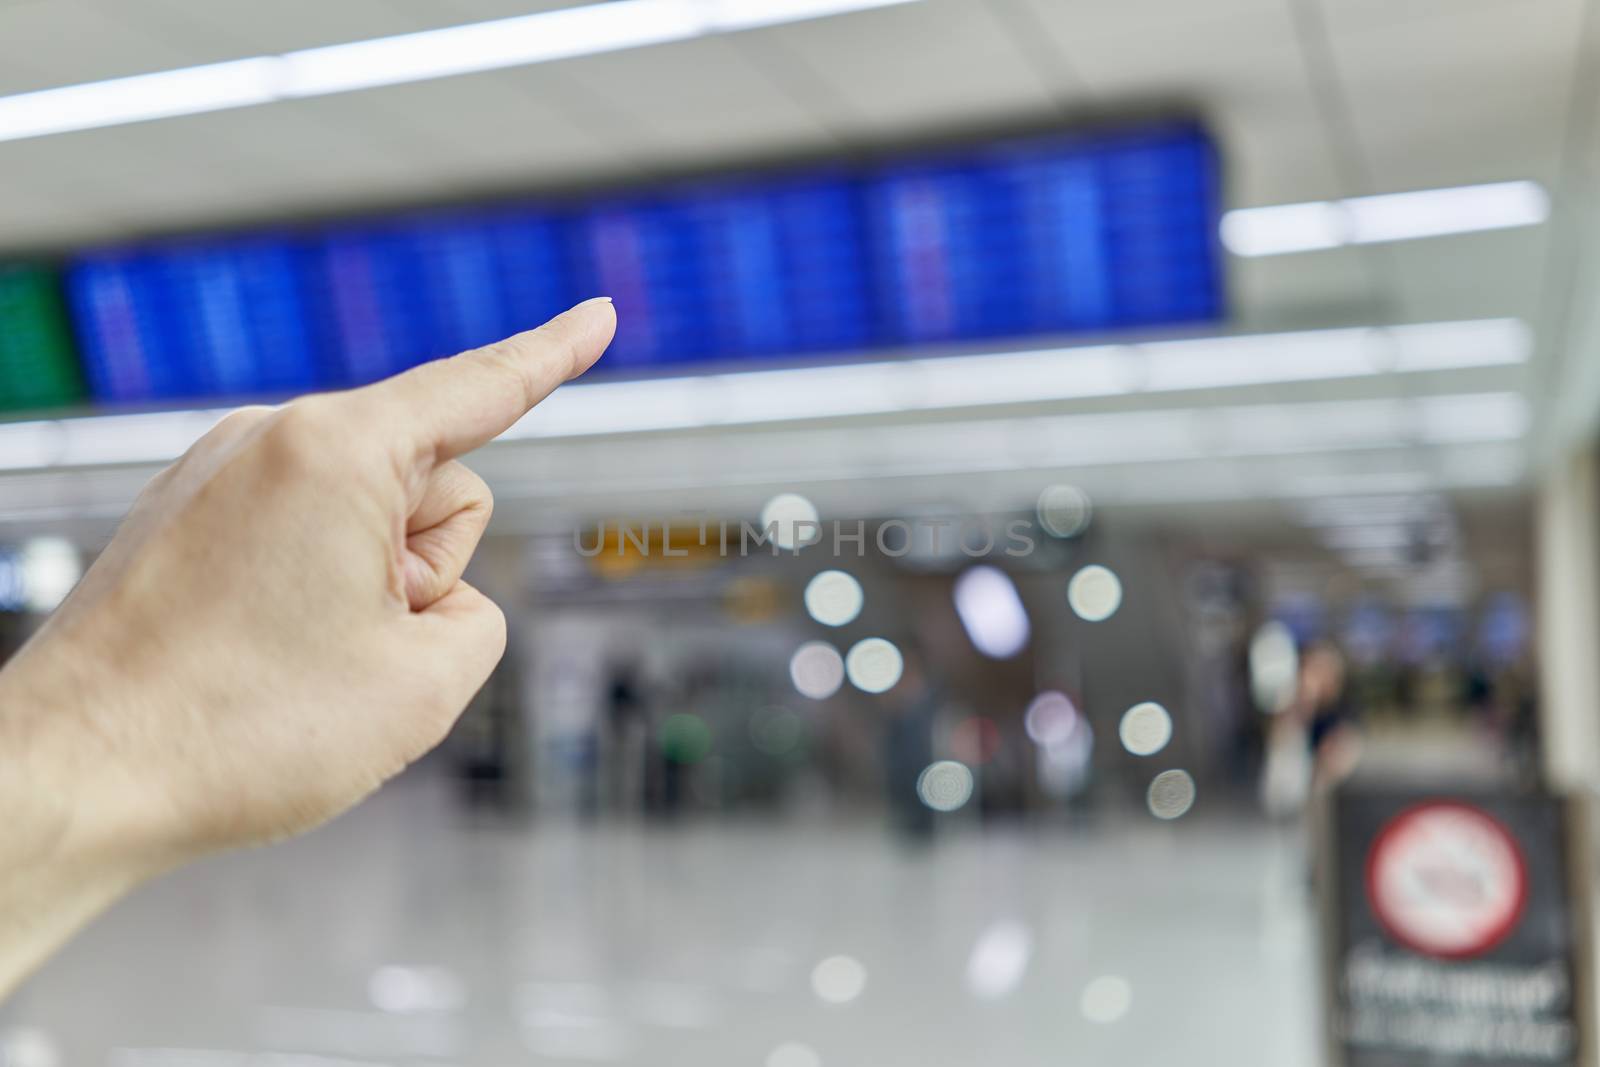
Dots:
{"x": 1091, "y": 232}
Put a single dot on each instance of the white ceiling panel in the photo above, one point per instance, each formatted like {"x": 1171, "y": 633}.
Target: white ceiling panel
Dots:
{"x": 143, "y": 179}
{"x": 935, "y": 64}
{"x": 446, "y": 125}
{"x": 1072, "y": 21}
{"x": 480, "y": 10}
{"x": 1475, "y": 94}
{"x": 61, "y": 42}
{"x": 705, "y": 99}
{"x": 40, "y": 219}
{"x": 1248, "y": 54}
{"x": 1283, "y": 292}
{"x": 299, "y": 143}
{"x": 1413, "y": 142}
{"x": 1343, "y": 15}
{"x": 1275, "y": 152}
{"x": 210, "y": 30}
{"x": 1493, "y": 273}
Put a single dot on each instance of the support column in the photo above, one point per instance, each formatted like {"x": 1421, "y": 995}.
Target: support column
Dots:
{"x": 1569, "y": 620}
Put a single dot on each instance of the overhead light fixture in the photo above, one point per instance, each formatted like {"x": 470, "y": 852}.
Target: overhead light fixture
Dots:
{"x": 482, "y": 46}
{"x": 408, "y": 57}
{"x": 942, "y": 383}
{"x": 189, "y": 91}
{"x": 1037, "y": 376}
{"x": 1270, "y": 231}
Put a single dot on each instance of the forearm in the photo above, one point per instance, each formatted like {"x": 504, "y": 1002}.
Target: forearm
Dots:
{"x": 62, "y": 859}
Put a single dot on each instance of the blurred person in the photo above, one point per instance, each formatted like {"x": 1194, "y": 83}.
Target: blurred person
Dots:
{"x": 1312, "y": 744}
{"x": 627, "y": 730}
{"x": 278, "y": 627}
{"x": 911, "y": 710}
{"x": 1322, "y": 703}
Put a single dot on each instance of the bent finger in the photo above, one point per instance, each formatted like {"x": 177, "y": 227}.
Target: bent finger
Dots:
{"x": 443, "y": 531}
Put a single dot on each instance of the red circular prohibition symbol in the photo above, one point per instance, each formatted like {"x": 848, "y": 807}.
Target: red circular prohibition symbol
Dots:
{"x": 1446, "y": 880}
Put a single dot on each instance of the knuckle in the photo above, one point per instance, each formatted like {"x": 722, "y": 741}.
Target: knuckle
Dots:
{"x": 297, "y": 437}
{"x": 233, "y": 425}
{"x": 244, "y": 418}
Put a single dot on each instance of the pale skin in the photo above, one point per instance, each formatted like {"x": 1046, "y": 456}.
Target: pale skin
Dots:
{"x": 278, "y": 628}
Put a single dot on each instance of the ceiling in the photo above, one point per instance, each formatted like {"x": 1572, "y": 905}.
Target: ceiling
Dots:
{"x": 1310, "y": 99}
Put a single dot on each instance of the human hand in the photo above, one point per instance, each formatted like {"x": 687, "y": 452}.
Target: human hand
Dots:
{"x": 278, "y": 627}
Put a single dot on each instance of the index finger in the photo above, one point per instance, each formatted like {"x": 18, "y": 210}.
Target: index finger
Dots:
{"x": 448, "y": 407}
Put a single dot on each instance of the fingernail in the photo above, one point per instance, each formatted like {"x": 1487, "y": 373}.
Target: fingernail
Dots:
{"x": 597, "y": 300}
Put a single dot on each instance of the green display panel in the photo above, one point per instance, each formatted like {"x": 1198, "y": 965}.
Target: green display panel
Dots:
{"x": 38, "y": 367}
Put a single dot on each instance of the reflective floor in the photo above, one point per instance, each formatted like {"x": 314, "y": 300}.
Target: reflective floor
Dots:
{"x": 408, "y": 933}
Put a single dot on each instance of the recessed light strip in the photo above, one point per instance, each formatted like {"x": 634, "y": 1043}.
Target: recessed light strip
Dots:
{"x": 910, "y": 385}
{"x": 409, "y": 57}
{"x": 949, "y": 382}
{"x": 1271, "y": 231}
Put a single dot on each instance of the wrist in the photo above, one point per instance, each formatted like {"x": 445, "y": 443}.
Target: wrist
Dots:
{"x": 69, "y": 804}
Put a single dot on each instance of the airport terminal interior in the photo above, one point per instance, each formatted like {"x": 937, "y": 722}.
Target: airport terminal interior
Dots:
{"x": 1084, "y": 550}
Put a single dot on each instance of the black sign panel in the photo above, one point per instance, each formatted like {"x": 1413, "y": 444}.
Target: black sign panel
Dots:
{"x": 1450, "y": 931}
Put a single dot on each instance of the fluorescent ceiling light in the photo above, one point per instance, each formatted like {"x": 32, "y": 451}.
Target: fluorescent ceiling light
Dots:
{"x": 925, "y": 385}
{"x": 1312, "y": 449}
{"x": 409, "y": 57}
{"x": 1048, "y": 375}
{"x": 481, "y": 46}
{"x": 1266, "y": 231}
{"x": 1355, "y": 538}
{"x": 214, "y": 87}
{"x": 1269, "y": 231}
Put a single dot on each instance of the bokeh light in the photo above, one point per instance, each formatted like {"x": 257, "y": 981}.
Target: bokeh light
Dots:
{"x": 28, "y": 1046}
{"x": 777, "y": 731}
{"x": 991, "y": 612}
{"x": 1094, "y": 593}
{"x": 874, "y": 665}
{"x": 834, "y": 598}
{"x": 1050, "y": 719}
{"x": 1064, "y": 510}
{"x": 51, "y": 566}
{"x": 816, "y": 670}
{"x": 1063, "y": 769}
{"x": 839, "y": 979}
{"x": 999, "y": 959}
{"x": 975, "y": 740}
{"x": 1274, "y": 667}
{"x": 1145, "y": 729}
{"x": 1106, "y": 999}
{"x": 685, "y": 738}
{"x": 414, "y": 990}
{"x": 796, "y": 518}
{"x": 794, "y": 1054}
{"x": 1171, "y": 794}
{"x": 945, "y": 785}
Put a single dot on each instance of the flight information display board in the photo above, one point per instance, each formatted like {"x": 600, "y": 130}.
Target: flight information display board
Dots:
{"x": 38, "y": 368}
{"x": 1088, "y": 232}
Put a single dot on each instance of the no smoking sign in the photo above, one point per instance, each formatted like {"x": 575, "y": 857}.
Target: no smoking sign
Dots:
{"x": 1446, "y": 879}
